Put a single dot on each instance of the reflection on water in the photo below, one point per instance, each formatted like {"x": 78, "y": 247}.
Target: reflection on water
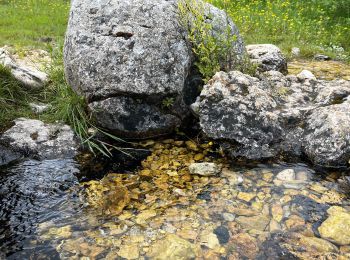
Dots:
{"x": 32, "y": 192}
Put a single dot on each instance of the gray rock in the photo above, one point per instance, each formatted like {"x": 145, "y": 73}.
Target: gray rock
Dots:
{"x": 275, "y": 114}
{"x": 234, "y": 106}
{"x": 136, "y": 54}
{"x": 29, "y": 77}
{"x": 7, "y": 155}
{"x": 268, "y": 57}
{"x": 204, "y": 169}
{"x": 35, "y": 139}
{"x": 327, "y": 135}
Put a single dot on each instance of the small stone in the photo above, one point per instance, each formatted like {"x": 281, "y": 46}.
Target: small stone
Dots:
{"x": 204, "y": 169}
{"x": 245, "y": 245}
{"x": 187, "y": 233}
{"x": 319, "y": 244}
{"x": 198, "y": 157}
{"x": 209, "y": 240}
{"x": 246, "y": 196}
{"x": 144, "y": 216}
{"x": 306, "y": 75}
{"x": 268, "y": 176}
{"x": 192, "y": 146}
{"x": 277, "y": 212}
{"x": 129, "y": 251}
{"x": 286, "y": 175}
{"x": 228, "y": 217}
{"x": 294, "y": 221}
{"x": 274, "y": 226}
{"x": 336, "y": 227}
{"x": 259, "y": 222}
{"x": 222, "y": 234}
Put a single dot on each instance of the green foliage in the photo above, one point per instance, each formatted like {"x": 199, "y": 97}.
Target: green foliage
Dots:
{"x": 70, "y": 108}
{"x": 34, "y": 23}
{"x": 14, "y": 98}
{"x": 214, "y": 52}
{"x": 168, "y": 102}
{"x": 315, "y": 26}
{"x": 66, "y": 106}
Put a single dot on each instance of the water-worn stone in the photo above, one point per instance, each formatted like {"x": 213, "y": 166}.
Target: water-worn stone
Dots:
{"x": 204, "y": 169}
{"x": 259, "y": 222}
{"x": 136, "y": 71}
{"x": 172, "y": 247}
{"x": 268, "y": 57}
{"x": 28, "y": 76}
{"x": 35, "y": 139}
{"x": 336, "y": 227}
{"x": 275, "y": 114}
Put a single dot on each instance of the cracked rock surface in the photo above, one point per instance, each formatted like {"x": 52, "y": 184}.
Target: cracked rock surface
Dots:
{"x": 35, "y": 139}
{"x": 263, "y": 117}
{"x": 134, "y": 64}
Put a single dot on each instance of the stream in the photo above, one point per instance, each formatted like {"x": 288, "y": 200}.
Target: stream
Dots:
{"x": 158, "y": 210}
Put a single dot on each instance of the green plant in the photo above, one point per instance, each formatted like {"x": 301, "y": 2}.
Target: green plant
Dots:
{"x": 14, "y": 98}
{"x": 70, "y": 108}
{"x": 168, "y": 102}
{"x": 215, "y": 51}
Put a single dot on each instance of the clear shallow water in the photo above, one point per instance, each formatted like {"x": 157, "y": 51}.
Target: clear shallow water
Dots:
{"x": 161, "y": 211}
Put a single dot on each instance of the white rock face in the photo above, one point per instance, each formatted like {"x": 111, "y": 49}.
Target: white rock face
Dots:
{"x": 130, "y": 57}
{"x": 268, "y": 57}
{"x": 35, "y": 139}
{"x": 28, "y": 76}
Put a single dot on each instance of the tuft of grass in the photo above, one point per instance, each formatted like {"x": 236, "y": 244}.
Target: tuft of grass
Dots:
{"x": 70, "y": 108}
{"x": 14, "y": 98}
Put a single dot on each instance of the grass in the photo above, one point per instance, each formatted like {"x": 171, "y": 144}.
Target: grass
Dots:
{"x": 315, "y": 26}
{"x": 33, "y": 23}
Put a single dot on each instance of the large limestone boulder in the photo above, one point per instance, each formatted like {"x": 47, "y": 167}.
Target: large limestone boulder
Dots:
{"x": 134, "y": 64}
{"x": 261, "y": 117}
{"x": 268, "y": 57}
{"x": 35, "y": 139}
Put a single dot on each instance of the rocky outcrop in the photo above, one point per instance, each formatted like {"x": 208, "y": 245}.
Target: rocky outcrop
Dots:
{"x": 268, "y": 57}
{"x": 136, "y": 71}
{"x": 262, "y": 117}
{"x": 35, "y": 139}
{"x": 28, "y": 76}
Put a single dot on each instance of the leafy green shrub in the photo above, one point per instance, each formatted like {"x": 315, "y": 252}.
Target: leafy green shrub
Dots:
{"x": 213, "y": 52}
